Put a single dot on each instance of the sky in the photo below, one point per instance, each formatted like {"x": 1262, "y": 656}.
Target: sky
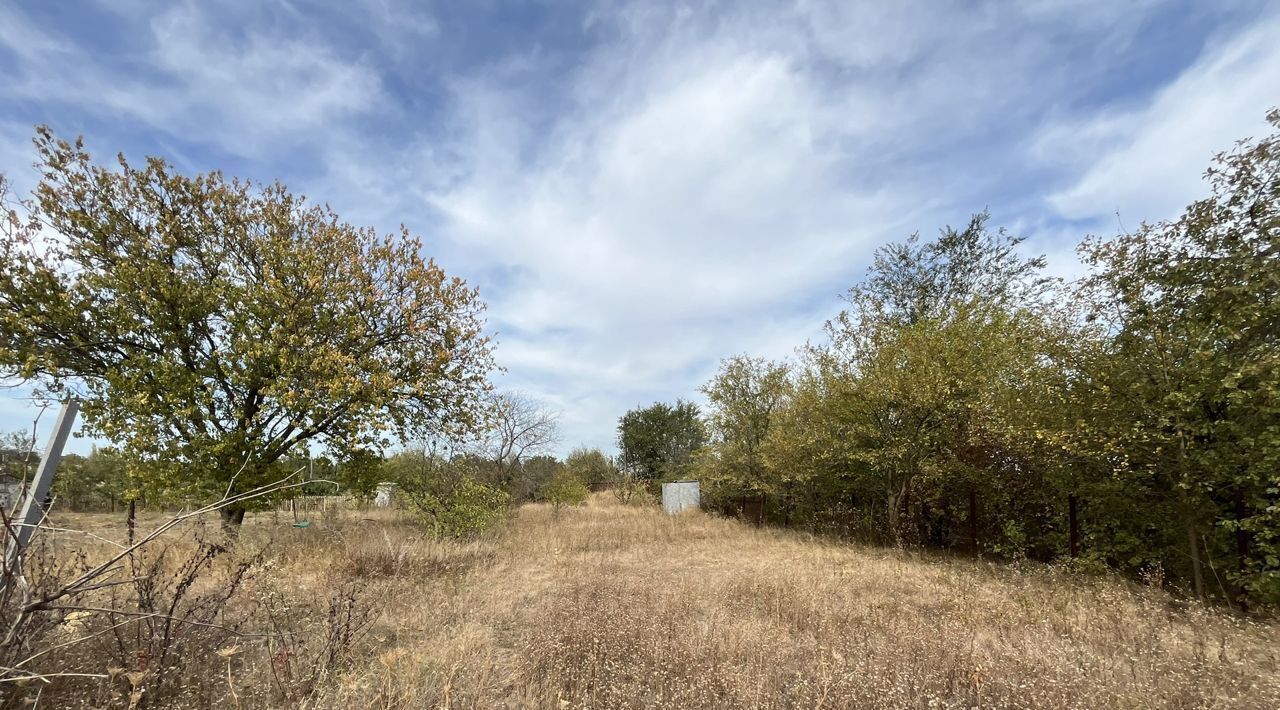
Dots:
{"x": 640, "y": 189}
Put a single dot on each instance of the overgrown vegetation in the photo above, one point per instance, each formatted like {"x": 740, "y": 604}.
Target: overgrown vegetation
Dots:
{"x": 139, "y": 616}
{"x": 964, "y": 400}
{"x": 961, "y": 400}
{"x": 621, "y": 606}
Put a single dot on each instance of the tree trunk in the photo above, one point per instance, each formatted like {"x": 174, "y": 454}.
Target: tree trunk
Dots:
{"x": 898, "y": 500}
{"x": 1242, "y": 548}
{"x": 131, "y": 523}
{"x": 1073, "y": 526}
{"x": 973, "y": 519}
{"x": 1193, "y": 546}
{"x": 232, "y": 518}
{"x": 788, "y": 505}
{"x": 1193, "y": 542}
{"x": 892, "y": 511}
{"x": 908, "y": 522}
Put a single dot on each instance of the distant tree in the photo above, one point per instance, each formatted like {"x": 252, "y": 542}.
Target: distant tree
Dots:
{"x": 659, "y": 441}
{"x": 591, "y": 466}
{"x": 100, "y": 480}
{"x": 445, "y": 493}
{"x": 563, "y": 489}
{"x": 519, "y": 427}
{"x": 213, "y": 326}
{"x": 357, "y": 474}
{"x": 18, "y": 456}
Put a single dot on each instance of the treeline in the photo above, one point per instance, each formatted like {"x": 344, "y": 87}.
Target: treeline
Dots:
{"x": 454, "y": 493}
{"x": 964, "y": 400}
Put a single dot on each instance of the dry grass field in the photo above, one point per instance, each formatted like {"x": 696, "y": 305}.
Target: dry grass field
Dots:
{"x": 608, "y": 606}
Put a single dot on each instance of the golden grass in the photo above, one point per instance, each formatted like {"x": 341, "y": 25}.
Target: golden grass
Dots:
{"x": 608, "y": 606}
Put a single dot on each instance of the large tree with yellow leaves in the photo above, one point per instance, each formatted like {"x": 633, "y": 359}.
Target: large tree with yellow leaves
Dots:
{"x": 213, "y": 326}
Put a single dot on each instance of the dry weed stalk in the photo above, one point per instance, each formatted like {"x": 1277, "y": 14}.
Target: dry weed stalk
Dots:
{"x": 138, "y": 607}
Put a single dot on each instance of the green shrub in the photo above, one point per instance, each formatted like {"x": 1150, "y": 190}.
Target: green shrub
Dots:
{"x": 446, "y": 495}
{"x": 463, "y": 509}
{"x": 564, "y": 489}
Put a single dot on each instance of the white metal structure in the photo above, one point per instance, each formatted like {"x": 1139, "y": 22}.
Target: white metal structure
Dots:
{"x": 680, "y": 496}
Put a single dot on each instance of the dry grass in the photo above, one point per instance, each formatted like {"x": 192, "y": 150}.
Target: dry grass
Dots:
{"x": 610, "y": 606}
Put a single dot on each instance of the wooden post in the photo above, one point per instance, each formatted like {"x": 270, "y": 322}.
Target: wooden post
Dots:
{"x": 33, "y": 509}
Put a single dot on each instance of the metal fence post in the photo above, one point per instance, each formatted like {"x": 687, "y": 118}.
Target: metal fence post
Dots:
{"x": 32, "y": 510}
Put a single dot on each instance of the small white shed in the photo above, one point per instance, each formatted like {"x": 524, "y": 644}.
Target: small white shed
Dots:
{"x": 385, "y": 494}
{"x": 680, "y": 496}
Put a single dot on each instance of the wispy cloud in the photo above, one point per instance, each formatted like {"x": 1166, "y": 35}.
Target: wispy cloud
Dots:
{"x": 1146, "y": 161}
{"x": 249, "y": 93}
{"x": 642, "y": 188}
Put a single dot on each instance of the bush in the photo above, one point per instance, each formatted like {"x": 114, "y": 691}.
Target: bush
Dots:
{"x": 446, "y": 495}
{"x": 633, "y": 491}
{"x": 564, "y": 489}
{"x": 461, "y": 508}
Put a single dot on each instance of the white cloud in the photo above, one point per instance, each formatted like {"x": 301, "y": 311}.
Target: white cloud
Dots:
{"x": 713, "y": 197}
{"x": 696, "y": 185}
{"x": 248, "y": 94}
{"x": 26, "y": 40}
{"x": 1147, "y": 162}
{"x": 262, "y": 83}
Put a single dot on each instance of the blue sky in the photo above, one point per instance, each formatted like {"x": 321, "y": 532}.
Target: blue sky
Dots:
{"x": 640, "y": 189}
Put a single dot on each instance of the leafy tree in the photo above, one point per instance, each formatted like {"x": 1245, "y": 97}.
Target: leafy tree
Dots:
{"x": 214, "y": 326}
{"x": 563, "y": 489}
{"x": 744, "y": 396}
{"x": 659, "y": 441}
{"x": 933, "y": 336}
{"x": 814, "y": 460}
{"x": 1190, "y": 380}
{"x": 591, "y": 466}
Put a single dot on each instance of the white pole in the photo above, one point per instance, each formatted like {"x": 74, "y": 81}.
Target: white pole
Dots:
{"x": 32, "y": 510}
